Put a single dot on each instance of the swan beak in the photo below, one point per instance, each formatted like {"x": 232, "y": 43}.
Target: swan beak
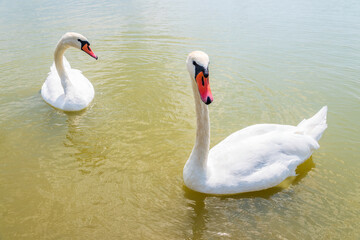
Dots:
{"x": 204, "y": 88}
{"x": 86, "y": 48}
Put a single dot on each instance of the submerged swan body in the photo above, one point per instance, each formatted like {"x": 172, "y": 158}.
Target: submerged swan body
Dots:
{"x": 255, "y": 158}
{"x": 65, "y": 88}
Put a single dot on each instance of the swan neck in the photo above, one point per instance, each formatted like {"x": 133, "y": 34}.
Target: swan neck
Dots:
{"x": 59, "y": 64}
{"x": 202, "y": 142}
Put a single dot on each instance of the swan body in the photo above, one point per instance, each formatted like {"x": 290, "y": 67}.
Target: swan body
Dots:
{"x": 65, "y": 88}
{"x": 254, "y": 158}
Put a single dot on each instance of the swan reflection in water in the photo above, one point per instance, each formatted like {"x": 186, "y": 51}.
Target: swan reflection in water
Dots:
{"x": 88, "y": 152}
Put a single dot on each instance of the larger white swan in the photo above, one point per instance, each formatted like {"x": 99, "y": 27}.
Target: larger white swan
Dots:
{"x": 65, "y": 88}
{"x": 255, "y": 158}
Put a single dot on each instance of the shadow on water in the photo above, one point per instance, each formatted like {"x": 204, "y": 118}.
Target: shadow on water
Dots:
{"x": 197, "y": 202}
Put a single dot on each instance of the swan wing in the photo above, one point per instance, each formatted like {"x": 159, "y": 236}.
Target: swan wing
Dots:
{"x": 258, "y": 157}
{"x": 79, "y": 96}
{"x": 84, "y": 88}
{"x": 52, "y": 89}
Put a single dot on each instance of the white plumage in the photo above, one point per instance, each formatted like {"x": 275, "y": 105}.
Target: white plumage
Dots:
{"x": 65, "y": 88}
{"x": 255, "y": 158}
{"x": 79, "y": 95}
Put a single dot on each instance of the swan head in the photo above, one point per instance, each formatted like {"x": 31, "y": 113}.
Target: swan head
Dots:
{"x": 197, "y": 64}
{"x": 78, "y": 41}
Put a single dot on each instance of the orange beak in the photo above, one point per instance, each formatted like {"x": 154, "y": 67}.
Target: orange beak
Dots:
{"x": 204, "y": 88}
{"x": 86, "y": 48}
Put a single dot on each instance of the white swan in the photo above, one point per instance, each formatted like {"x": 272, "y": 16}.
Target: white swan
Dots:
{"x": 65, "y": 88}
{"x": 255, "y": 158}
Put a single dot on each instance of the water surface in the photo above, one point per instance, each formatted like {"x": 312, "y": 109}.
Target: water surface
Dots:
{"x": 114, "y": 171}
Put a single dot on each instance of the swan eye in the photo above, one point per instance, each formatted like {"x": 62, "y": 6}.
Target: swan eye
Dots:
{"x": 83, "y": 43}
{"x": 194, "y": 63}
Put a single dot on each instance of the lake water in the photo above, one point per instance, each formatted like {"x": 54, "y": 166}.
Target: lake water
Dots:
{"x": 114, "y": 171}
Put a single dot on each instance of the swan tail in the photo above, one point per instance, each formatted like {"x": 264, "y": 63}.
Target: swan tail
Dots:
{"x": 316, "y": 125}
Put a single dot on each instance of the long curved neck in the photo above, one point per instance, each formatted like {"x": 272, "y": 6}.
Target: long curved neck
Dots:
{"x": 58, "y": 59}
{"x": 202, "y": 143}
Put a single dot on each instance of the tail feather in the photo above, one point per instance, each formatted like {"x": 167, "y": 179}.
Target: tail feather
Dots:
{"x": 316, "y": 125}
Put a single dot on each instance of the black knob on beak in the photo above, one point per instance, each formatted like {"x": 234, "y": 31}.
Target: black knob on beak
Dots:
{"x": 206, "y": 73}
{"x": 208, "y": 101}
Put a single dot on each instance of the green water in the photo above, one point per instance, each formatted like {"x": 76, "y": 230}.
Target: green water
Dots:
{"x": 114, "y": 171}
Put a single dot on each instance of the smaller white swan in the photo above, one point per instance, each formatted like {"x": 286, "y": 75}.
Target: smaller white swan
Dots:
{"x": 255, "y": 158}
{"x": 65, "y": 88}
